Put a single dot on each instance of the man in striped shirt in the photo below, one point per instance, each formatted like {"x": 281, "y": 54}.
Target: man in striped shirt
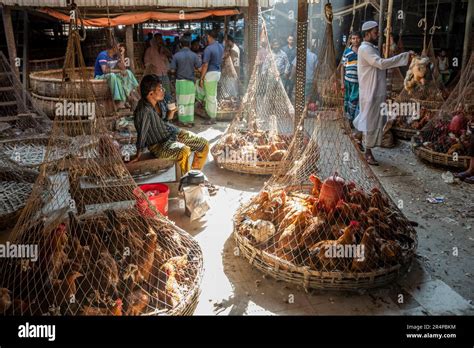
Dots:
{"x": 161, "y": 138}
{"x": 350, "y": 81}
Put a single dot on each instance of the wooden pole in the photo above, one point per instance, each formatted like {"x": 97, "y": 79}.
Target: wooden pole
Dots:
{"x": 450, "y": 24}
{"x": 253, "y": 34}
{"x": 382, "y": 6}
{"x": 467, "y": 32}
{"x": 25, "y": 61}
{"x": 226, "y": 27}
{"x": 8, "y": 27}
{"x": 389, "y": 28}
{"x": 301, "y": 44}
{"x": 129, "y": 46}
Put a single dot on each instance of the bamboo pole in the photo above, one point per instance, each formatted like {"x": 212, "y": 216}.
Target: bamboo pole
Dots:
{"x": 10, "y": 37}
{"x": 382, "y": 6}
{"x": 302, "y": 35}
{"x": 467, "y": 32}
{"x": 389, "y": 28}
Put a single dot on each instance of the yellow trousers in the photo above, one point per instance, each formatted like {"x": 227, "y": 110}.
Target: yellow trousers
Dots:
{"x": 181, "y": 149}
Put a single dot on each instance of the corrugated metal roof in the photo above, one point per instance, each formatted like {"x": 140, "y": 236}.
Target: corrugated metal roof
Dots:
{"x": 137, "y": 3}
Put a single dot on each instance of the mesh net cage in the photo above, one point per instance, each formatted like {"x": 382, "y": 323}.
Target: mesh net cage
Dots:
{"x": 258, "y": 138}
{"x": 229, "y": 88}
{"x": 16, "y": 184}
{"x": 326, "y": 92}
{"x": 445, "y": 139}
{"x": 327, "y": 222}
{"x": 423, "y": 90}
{"x": 91, "y": 241}
{"x": 19, "y": 116}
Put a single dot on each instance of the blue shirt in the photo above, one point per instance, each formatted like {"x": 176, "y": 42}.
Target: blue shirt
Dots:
{"x": 213, "y": 56}
{"x": 349, "y": 60}
{"x": 103, "y": 58}
{"x": 184, "y": 62}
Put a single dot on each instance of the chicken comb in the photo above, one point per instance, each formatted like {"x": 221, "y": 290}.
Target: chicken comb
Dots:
{"x": 354, "y": 223}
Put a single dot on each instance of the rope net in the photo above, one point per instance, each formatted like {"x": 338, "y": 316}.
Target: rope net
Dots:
{"x": 449, "y": 131}
{"x": 19, "y": 117}
{"x": 258, "y": 138}
{"x": 101, "y": 247}
{"x": 328, "y": 214}
{"x": 229, "y": 88}
{"x": 326, "y": 92}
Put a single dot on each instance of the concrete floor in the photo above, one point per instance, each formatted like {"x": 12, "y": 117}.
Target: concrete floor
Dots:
{"x": 438, "y": 282}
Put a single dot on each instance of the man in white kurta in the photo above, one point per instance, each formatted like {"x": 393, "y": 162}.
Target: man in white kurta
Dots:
{"x": 373, "y": 87}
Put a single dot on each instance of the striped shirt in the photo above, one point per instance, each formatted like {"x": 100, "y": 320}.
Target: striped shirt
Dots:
{"x": 151, "y": 128}
{"x": 349, "y": 60}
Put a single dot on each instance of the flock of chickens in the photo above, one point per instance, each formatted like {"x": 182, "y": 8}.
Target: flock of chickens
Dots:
{"x": 447, "y": 134}
{"x": 258, "y": 144}
{"x": 114, "y": 264}
{"x": 301, "y": 227}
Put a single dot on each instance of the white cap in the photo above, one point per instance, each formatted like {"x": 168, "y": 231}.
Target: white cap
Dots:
{"x": 369, "y": 25}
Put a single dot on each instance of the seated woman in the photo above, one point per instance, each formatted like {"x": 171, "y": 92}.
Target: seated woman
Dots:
{"x": 468, "y": 175}
{"x": 122, "y": 84}
{"x": 163, "y": 139}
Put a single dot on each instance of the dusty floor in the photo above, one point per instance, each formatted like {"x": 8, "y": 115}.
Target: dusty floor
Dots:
{"x": 440, "y": 280}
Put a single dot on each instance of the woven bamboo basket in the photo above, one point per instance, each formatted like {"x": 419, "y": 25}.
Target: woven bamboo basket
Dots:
{"x": 255, "y": 168}
{"x": 46, "y": 64}
{"x": 433, "y": 105}
{"x": 313, "y": 279}
{"x": 404, "y": 133}
{"x": 442, "y": 159}
{"x": 49, "y": 84}
{"x": 49, "y": 105}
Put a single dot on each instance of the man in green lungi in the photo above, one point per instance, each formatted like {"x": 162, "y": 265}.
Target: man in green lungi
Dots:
{"x": 210, "y": 75}
{"x": 182, "y": 65}
{"x": 122, "y": 84}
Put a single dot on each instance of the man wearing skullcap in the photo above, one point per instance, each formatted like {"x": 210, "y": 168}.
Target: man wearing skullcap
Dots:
{"x": 373, "y": 87}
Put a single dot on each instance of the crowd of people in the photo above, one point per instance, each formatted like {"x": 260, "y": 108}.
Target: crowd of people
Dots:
{"x": 196, "y": 71}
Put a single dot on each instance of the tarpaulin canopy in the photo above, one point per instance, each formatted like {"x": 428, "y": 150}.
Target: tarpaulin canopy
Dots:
{"x": 141, "y": 17}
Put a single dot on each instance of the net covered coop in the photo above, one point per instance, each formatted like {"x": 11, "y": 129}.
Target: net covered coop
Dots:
{"x": 446, "y": 139}
{"x": 229, "y": 88}
{"x": 326, "y": 90}
{"x": 102, "y": 248}
{"x": 326, "y": 222}
{"x": 19, "y": 116}
{"x": 16, "y": 184}
{"x": 258, "y": 138}
{"x": 422, "y": 96}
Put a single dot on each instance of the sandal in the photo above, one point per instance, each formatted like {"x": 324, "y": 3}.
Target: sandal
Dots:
{"x": 187, "y": 125}
{"x": 371, "y": 160}
{"x": 210, "y": 122}
{"x": 462, "y": 175}
{"x": 469, "y": 180}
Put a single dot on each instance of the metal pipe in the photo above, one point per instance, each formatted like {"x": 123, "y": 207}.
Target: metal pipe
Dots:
{"x": 302, "y": 34}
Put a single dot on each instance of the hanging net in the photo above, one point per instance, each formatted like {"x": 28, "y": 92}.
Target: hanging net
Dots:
{"x": 229, "y": 88}
{"x": 326, "y": 92}
{"x": 19, "y": 117}
{"x": 257, "y": 139}
{"x": 326, "y": 222}
{"x": 16, "y": 184}
{"x": 422, "y": 94}
{"x": 101, "y": 247}
{"x": 446, "y": 139}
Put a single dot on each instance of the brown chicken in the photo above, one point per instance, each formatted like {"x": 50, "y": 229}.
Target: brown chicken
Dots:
{"x": 370, "y": 258}
{"x": 5, "y": 300}
{"x": 64, "y": 291}
{"x": 390, "y": 250}
{"x": 318, "y": 251}
{"x": 290, "y": 238}
{"x": 145, "y": 256}
{"x": 137, "y": 301}
{"x": 52, "y": 246}
{"x": 171, "y": 272}
{"x": 317, "y": 184}
{"x": 377, "y": 200}
{"x": 318, "y": 229}
{"x": 103, "y": 275}
{"x": 115, "y": 310}
{"x": 359, "y": 197}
